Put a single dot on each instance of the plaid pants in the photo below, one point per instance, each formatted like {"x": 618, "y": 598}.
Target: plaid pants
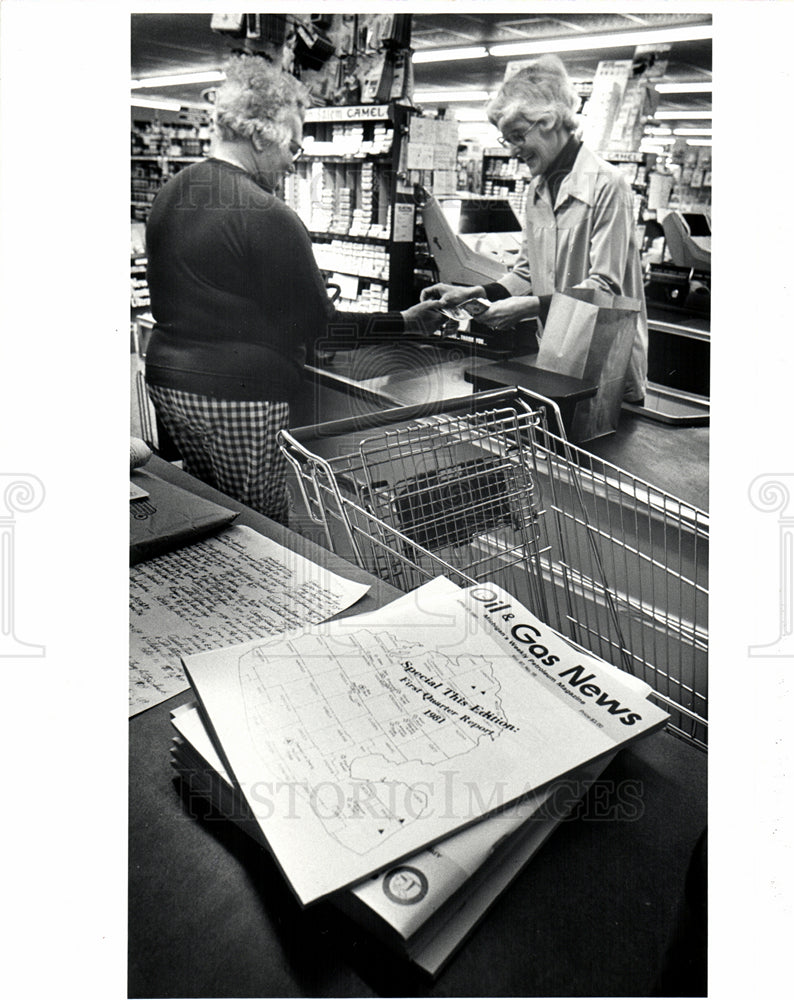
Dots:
{"x": 229, "y": 444}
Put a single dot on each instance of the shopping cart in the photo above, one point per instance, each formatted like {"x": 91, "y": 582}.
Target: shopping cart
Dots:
{"x": 482, "y": 489}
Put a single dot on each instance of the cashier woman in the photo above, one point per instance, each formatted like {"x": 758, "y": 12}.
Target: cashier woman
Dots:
{"x": 236, "y": 293}
{"x": 579, "y": 229}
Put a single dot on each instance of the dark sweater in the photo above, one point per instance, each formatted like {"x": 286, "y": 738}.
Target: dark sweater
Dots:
{"x": 235, "y": 291}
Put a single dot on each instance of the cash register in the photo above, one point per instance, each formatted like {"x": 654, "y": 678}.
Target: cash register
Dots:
{"x": 474, "y": 240}
{"x": 683, "y": 282}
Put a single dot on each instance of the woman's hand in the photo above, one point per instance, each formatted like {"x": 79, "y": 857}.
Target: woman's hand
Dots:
{"x": 424, "y": 317}
{"x": 452, "y": 295}
{"x": 506, "y": 313}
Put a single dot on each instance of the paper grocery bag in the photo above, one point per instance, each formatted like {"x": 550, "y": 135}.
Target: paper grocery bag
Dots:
{"x": 589, "y": 335}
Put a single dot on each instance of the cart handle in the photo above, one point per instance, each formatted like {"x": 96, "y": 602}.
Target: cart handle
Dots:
{"x": 396, "y": 414}
{"x": 289, "y": 445}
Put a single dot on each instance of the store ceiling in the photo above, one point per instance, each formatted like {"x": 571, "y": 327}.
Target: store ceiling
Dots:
{"x": 164, "y": 44}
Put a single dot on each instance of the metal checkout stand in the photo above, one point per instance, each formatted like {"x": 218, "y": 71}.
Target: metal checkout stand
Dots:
{"x": 474, "y": 241}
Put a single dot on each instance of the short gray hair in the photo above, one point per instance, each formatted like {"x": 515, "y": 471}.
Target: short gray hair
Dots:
{"x": 544, "y": 81}
{"x": 258, "y": 97}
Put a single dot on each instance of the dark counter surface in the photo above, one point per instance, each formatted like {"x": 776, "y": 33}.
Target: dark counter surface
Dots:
{"x": 674, "y": 459}
{"x": 679, "y": 322}
{"x": 593, "y": 914}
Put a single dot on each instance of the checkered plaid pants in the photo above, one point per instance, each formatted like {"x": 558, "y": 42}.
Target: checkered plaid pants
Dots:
{"x": 229, "y": 444}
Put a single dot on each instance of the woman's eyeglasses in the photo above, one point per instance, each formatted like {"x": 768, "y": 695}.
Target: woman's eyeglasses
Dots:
{"x": 296, "y": 150}
{"x": 516, "y": 140}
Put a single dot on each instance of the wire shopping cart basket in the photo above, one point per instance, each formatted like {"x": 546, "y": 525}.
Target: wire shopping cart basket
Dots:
{"x": 481, "y": 489}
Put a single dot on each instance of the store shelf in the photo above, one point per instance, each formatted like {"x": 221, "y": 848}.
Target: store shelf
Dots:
{"x": 159, "y": 150}
{"x": 383, "y": 279}
{"x": 340, "y": 193}
{"x": 498, "y": 173}
{"x": 344, "y": 157}
{"x": 139, "y": 290}
{"x": 351, "y": 237}
{"x": 164, "y": 157}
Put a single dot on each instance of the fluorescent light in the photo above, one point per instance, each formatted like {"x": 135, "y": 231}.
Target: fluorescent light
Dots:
{"x": 446, "y": 96}
{"x": 674, "y": 115}
{"x": 692, "y": 131}
{"x": 699, "y": 142}
{"x": 472, "y": 115}
{"x": 142, "y": 102}
{"x": 683, "y": 88}
{"x": 211, "y": 76}
{"x": 620, "y": 39}
{"x": 471, "y": 130}
{"x": 448, "y": 55}
{"x": 661, "y": 130}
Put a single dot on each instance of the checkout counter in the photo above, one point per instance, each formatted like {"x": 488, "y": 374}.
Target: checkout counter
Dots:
{"x": 665, "y": 443}
{"x": 351, "y": 383}
{"x": 678, "y": 298}
{"x": 474, "y": 239}
{"x": 595, "y": 913}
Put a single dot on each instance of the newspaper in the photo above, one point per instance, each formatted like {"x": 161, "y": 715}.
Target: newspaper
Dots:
{"x": 357, "y": 745}
{"x": 222, "y": 590}
{"x": 424, "y": 907}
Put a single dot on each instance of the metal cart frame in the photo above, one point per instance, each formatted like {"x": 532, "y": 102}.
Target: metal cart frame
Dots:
{"x": 482, "y": 489}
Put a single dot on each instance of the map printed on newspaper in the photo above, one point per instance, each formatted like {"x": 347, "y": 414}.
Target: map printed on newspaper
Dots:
{"x": 356, "y": 745}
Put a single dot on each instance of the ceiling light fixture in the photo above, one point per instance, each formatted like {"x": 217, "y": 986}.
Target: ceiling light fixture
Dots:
{"x": 699, "y": 142}
{"x": 448, "y": 55}
{"x": 683, "y": 88}
{"x": 619, "y": 39}
{"x": 142, "y": 102}
{"x": 447, "y": 96}
{"x": 675, "y": 115}
{"x": 471, "y": 115}
{"x": 693, "y": 131}
{"x": 177, "y": 80}
{"x": 661, "y": 130}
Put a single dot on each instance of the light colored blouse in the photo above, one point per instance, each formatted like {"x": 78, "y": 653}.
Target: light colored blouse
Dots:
{"x": 585, "y": 240}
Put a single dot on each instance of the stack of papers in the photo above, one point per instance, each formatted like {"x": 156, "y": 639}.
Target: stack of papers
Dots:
{"x": 403, "y": 763}
{"x": 220, "y": 590}
{"x": 425, "y": 907}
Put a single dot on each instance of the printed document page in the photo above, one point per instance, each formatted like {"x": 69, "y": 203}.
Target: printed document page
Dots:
{"x": 359, "y": 744}
{"x": 225, "y": 589}
{"x": 427, "y": 894}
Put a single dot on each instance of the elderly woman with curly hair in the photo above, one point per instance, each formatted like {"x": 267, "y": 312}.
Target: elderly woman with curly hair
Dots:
{"x": 579, "y": 229}
{"x": 236, "y": 294}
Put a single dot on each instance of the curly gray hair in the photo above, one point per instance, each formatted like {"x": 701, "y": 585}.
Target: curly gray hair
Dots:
{"x": 544, "y": 81}
{"x": 258, "y": 97}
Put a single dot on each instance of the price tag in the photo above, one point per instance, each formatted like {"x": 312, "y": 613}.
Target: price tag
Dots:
{"x": 403, "y": 223}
